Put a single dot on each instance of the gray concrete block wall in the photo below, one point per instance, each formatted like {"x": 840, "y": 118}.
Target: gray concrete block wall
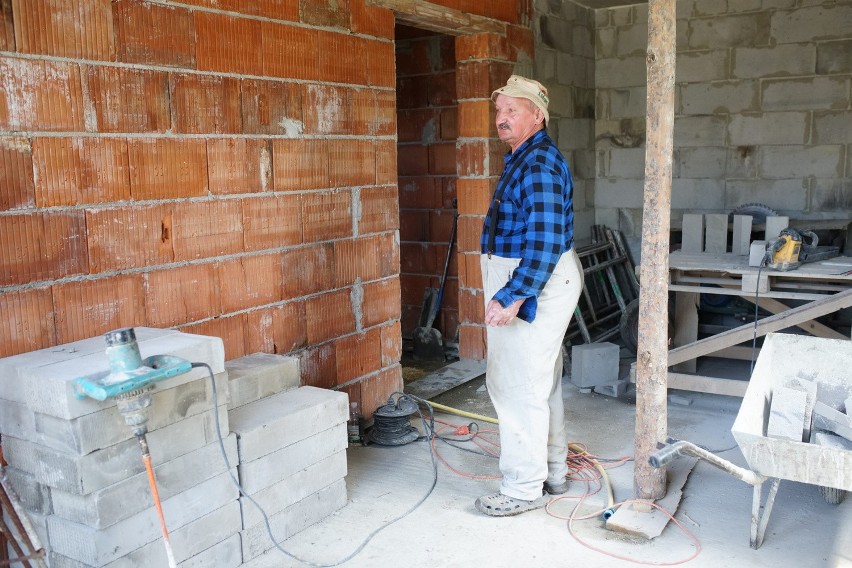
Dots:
{"x": 763, "y": 106}
{"x": 565, "y": 51}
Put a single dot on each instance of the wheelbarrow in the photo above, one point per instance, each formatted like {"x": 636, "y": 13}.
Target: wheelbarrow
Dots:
{"x": 783, "y": 359}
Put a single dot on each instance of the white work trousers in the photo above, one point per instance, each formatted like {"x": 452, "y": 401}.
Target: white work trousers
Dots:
{"x": 524, "y": 378}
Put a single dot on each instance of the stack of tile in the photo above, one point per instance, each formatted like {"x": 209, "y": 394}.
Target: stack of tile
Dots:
{"x": 78, "y": 470}
{"x": 292, "y": 449}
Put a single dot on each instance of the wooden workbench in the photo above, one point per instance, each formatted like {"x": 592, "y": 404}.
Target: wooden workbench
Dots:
{"x": 825, "y": 286}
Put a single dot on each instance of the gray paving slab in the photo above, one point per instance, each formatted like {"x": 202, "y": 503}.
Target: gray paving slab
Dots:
{"x": 259, "y": 375}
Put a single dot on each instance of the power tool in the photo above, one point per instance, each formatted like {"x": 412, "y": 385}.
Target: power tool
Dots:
{"x": 793, "y": 247}
{"x": 130, "y": 381}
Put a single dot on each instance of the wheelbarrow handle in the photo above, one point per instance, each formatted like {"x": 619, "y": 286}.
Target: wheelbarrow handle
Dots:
{"x": 666, "y": 453}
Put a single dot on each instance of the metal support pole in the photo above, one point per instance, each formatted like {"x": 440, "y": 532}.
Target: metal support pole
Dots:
{"x": 652, "y": 350}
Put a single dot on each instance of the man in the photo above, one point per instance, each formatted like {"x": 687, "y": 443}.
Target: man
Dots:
{"x": 532, "y": 279}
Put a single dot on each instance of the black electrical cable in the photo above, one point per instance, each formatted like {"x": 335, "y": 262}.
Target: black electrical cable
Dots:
{"x": 392, "y": 430}
{"x": 756, "y": 310}
{"x": 263, "y": 513}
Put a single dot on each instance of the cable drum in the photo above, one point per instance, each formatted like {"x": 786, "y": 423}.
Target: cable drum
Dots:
{"x": 392, "y": 423}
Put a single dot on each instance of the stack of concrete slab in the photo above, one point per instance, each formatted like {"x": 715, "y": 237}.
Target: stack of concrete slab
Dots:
{"x": 292, "y": 449}
{"x": 78, "y": 469}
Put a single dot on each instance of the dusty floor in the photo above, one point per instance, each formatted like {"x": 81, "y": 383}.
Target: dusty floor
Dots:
{"x": 446, "y": 530}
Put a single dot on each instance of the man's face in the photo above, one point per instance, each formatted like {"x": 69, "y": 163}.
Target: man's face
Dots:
{"x": 517, "y": 119}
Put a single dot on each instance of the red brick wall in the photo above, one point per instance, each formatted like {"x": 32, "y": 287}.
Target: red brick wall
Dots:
{"x": 217, "y": 166}
{"x": 427, "y": 120}
{"x": 229, "y": 168}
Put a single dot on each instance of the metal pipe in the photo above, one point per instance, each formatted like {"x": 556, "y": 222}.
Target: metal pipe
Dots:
{"x": 676, "y": 448}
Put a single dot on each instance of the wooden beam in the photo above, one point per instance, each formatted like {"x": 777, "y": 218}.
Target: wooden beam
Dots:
{"x": 813, "y": 327}
{"x": 651, "y": 366}
{"x": 714, "y": 385}
{"x": 777, "y": 322}
{"x": 434, "y": 17}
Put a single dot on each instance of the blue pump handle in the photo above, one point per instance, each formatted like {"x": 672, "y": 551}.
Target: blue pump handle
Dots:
{"x": 109, "y": 385}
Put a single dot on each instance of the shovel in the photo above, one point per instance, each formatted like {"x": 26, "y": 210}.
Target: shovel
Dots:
{"x": 428, "y": 343}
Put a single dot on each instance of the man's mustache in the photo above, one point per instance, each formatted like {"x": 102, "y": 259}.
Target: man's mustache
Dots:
{"x": 503, "y": 126}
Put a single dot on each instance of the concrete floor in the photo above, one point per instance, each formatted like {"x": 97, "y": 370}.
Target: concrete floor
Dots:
{"x": 446, "y": 530}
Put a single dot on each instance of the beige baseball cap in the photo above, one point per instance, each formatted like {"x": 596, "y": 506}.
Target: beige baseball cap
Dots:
{"x": 523, "y": 88}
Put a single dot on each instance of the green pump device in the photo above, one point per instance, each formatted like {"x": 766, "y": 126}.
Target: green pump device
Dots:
{"x": 130, "y": 381}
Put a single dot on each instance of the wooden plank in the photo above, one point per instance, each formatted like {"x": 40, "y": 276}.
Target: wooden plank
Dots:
{"x": 446, "y": 378}
{"x": 738, "y": 352}
{"x": 439, "y": 18}
{"x": 795, "y": 316}
{"x": 731, "y": 292}
{"x": 812, "y": 327}
{"x": 713, "y": 385}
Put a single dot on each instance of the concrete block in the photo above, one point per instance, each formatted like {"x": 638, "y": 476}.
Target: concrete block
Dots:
{"x": 99, "y": 469}
{"x": 832, "y": 420}
{"x": 226, "y": 554}
{"x": 834, "y": 57}
{"x": 700, "y": 131}
{"x": 615, "y": 390}
{"x": 827, "y": 440}
{"x": 293, "y": 488}
{"x": 107, "y": 427}
{"x": 701, "y": 162}
{"x": 803, "y": 25}
{"x": 750, "y": 283}
{"x": 124, "y": 499}
{"x": 775, "y": 224}
{"x": 720, "y": 97}
{"x": 626, "y": 163}
{"x": 832, "y": 127}
{"x": 716, "y": 233}
{"x": 697, "y": 193}
{"x": 787, "y": 414}
{"x": 692, "y": 233}
{"x": 14, "y": 367}
{"x": 824, "y": 161}
{"x": 741, "y": 237}
{"x": 277, "y": 421}
{"x": 620, "y": 72}
{"x": 594, "y": 364}
{"x": 778, "y": 194}
{"x": 48, "y": 389}
{"x": 31, "y": 494}
{"x": 775, "y": 61}
{"x": 702, "y": 66}
{"x": 810, "y": 389}
{"x": 259, "y": 375}
{"x": 729, "y": 31}
{"x": 811, "y": 93}
{"x": 293, "y": 520}
{"x": 769, "y": 128}
{"x": 188, "y": 541}
{"x": 280, "y": 464}
{"x": 756, "y": 252}
{"x": 100, "y": 547}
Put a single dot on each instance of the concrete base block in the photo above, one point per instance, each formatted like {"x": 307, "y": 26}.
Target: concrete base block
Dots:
{"x": 260, "y": 375}
{"x": 594, "y": 364}
{"x": 615, "y": 389}
{"x": 692, "y": 233}
{"x": 828, "y": 440}
{"x": 277, "y": 421}
{"x": 293, "y": 520}
{"x": 85, "y": 474}
{"x": 189, "y": 541}
{"x": 774, "y": 226}
{"x": 226, "y": 554}
{"x": 292, "y": 489}
{"x": 787, "y": 414}
{"x": 100, "y": 547}
{"x": 756, "y": 252}
{"x": 124, "y": 499}
{"x": 32, "y": 495}
{"x": 281, "y": 464}
{"x": 716, "y": 234}
{"x": 741, "y": 238}
{"x": 42, "y": 380}
{"x": 107, "y": 427}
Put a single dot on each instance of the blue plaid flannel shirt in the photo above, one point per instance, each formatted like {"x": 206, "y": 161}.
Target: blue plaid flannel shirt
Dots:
{"x": 536, "y": 222}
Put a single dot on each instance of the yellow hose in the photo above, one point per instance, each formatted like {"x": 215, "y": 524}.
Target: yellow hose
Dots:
{"x": 572, "y": 447}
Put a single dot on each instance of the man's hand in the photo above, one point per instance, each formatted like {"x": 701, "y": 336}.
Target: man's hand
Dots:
{"x": 498, "y": 316}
